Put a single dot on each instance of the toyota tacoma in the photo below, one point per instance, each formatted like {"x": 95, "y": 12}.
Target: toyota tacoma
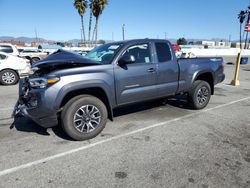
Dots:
{"x": 82, "y": 92}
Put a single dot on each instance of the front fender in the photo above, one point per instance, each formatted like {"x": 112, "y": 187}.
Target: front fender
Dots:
{"x": 78, "y": 85}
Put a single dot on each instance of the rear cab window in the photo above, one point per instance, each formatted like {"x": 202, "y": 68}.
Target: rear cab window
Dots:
{"x": 163, "y": 52}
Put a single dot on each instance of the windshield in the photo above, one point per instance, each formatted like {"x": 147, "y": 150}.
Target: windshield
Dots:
{"x": 104, "y": 54}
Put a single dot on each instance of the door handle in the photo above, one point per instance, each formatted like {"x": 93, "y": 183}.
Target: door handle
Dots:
{"x": 151, "y": 70}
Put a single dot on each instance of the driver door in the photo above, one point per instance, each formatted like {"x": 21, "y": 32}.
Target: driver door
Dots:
{"x": 137, "y": 81}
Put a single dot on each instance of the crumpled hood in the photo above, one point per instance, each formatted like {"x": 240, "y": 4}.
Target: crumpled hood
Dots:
{"x": 62, "y": 59}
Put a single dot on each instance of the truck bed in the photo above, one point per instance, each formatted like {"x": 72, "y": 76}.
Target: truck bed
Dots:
{"x": 191, "y": 67}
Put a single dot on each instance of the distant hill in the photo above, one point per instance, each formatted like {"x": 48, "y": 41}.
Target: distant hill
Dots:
{"x": 24, "y": 39}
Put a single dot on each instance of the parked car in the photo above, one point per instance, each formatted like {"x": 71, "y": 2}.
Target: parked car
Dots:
{"x": 9, "y": 48}
{"x": 33, "y": 54}
{"x": 83, "y": 91}
{"x": 12, "y": 68}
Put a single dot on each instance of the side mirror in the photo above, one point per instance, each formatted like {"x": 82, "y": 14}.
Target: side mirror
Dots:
{"x": 127, "y": 59}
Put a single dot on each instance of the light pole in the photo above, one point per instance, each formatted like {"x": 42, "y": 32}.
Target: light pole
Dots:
{"x": 123, "y": 31}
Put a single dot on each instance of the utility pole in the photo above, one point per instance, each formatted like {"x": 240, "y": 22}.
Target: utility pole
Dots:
{"x": 123, "y": 31}
{"x": 229, "y": 39}
{"x": 36, "y": 35}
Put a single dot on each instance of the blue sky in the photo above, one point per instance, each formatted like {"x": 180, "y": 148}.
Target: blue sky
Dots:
{"x": 58, "y": 20}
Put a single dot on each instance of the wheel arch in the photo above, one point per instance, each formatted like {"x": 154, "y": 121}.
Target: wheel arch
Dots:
{"x": 208, "y": 77}
{"x": 97, "y": 92}
{"x": 11, "y": 70}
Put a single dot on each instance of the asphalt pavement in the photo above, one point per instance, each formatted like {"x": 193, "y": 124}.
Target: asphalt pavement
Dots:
{"x": 156, "y": 144}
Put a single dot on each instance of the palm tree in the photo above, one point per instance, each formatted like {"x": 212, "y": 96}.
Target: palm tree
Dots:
{"x": 97, "y": 9}
{"x": 241, "y": 17}
{"x": 81, "y": 6}
{"x": 90, "y": 19}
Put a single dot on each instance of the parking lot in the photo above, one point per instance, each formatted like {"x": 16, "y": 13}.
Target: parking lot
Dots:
{"x": 156, "y": 144}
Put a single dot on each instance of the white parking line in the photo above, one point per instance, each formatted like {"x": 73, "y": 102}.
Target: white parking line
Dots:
{"x": 27, "y": 165}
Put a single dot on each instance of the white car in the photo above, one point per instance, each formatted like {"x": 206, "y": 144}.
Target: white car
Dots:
{"x": 9, "y": 49}
{"x": 12, "y": 68}
{"x": 33, "y": 54}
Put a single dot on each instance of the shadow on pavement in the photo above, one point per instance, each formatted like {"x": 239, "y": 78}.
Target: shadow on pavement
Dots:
{"x": 178, "y": 102}
{"x": 24, "y": 124}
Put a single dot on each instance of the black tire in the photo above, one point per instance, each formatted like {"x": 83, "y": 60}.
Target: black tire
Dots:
{"x": 69, "y": 113}
{"x": 200, "y": 94}
{"x": 34, "y": 59}
{"x": 8, "y": 77}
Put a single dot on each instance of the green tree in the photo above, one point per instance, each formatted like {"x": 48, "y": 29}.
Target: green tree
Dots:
{"x": 81, "y": 6}
{"x": 182, "y": 41}
{"x": 98, "y": 7}
{"x": 102, "y": 41}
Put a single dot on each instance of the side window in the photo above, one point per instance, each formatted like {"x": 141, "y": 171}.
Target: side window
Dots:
{"x": 141, "y": 52}
{"x": 2, "y": 57}
{"x": 6, "y": 49}
{"x": 163, "y": 52}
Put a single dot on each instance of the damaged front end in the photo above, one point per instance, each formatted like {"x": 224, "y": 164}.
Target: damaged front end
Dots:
{"x": 31, "y": 103}
{"x": 38, "y": 92}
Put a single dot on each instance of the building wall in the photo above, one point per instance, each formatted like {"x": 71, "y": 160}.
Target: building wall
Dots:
{"x": 206, "y": 43}
{"x": 13, "y": 42}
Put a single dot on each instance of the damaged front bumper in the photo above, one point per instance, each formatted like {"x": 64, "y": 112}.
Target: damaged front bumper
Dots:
{"x": 31, "y": 104}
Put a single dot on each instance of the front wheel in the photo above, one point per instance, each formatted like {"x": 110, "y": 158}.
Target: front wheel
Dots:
{"x": 84, "y": 117}
{"x": 8, "y": 77}
{"x": 200, "y": 94}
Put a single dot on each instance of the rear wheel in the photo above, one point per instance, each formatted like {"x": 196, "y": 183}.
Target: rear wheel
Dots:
{"x": 200, "y": 94}
{"x": 84, "y": 117}
{"x": 8, "y": 77}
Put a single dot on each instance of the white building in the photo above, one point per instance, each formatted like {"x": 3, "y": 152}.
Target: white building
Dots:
{"x": 206, "y": 43}
{"x": 223, "y": 44}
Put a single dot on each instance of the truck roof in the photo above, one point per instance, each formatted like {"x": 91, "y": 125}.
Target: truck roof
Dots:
{"x": 139, "y": 40}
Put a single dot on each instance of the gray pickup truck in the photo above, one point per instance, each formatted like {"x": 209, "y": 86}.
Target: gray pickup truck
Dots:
{"x": 82, "y": 92}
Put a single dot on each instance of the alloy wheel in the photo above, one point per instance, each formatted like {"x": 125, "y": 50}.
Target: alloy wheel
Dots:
{"x": 87, "y": 118}
{"x": 8, "y": 78}
{"x": 202, "y": 95}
